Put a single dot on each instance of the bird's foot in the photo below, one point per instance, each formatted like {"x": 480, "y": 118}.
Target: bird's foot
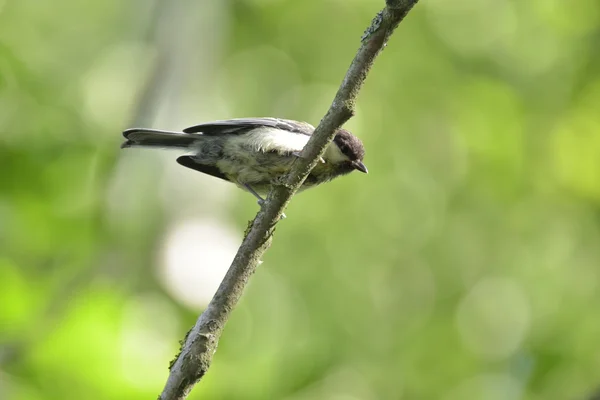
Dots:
{"x": 299, "y": 155}
{"x": 262, "y": 202}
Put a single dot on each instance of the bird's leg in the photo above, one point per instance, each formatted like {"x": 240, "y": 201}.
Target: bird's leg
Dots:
{"x": 299, "y": 154}
{"x": 261, "y": 201}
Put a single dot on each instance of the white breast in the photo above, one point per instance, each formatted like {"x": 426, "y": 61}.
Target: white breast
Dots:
{"x": 273, "y": 139}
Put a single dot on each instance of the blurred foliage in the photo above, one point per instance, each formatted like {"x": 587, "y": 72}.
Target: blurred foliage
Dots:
{"x": 464, "y": 266}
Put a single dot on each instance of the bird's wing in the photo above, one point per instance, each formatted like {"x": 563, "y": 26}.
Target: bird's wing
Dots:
{"x": 240, "y": 125}
{"x": 188, "y": 161}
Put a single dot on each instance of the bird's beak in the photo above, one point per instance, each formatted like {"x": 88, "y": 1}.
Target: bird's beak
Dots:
{"x": 358, "y": 165}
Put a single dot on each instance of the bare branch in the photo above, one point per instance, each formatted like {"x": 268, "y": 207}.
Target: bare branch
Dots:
{"x": 201, "y": 341}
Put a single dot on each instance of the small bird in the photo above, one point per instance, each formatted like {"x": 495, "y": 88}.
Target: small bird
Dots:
{"x": 253, "y": 153}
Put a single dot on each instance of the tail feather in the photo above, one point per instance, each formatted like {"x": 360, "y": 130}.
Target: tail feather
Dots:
{"x": 156, "y": 138}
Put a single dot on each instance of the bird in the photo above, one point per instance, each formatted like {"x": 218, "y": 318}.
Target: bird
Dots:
{"x": 253, "y": 153}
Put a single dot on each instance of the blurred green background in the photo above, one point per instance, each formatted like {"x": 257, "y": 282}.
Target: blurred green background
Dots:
{"x": 464, "y": 266}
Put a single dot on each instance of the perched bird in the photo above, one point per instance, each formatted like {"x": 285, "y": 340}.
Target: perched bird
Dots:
{"x": 253, "y": 153}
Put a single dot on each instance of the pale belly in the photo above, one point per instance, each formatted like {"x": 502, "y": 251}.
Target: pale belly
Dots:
{"x": 261, "y": 172}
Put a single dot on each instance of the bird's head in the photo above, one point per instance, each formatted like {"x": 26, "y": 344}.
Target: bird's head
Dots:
{"x": 347, "y": 149}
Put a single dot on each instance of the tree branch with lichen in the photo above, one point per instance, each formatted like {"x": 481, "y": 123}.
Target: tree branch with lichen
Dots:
{"x": 200, "y": 343}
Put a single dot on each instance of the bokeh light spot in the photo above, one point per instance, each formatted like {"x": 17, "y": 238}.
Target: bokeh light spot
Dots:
{"x": 195, "y": 256}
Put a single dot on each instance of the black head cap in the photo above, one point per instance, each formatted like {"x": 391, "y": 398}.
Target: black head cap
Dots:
{"x": 351, "y": 147}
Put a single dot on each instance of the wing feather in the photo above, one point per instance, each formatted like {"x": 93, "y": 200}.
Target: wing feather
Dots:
{"x": 241, "y": 125}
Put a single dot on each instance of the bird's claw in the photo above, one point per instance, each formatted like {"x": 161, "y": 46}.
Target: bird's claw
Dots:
{"x": 299, "y": 154}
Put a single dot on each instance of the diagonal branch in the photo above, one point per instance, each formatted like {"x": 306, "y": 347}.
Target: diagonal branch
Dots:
{"x": 200, "y": 344}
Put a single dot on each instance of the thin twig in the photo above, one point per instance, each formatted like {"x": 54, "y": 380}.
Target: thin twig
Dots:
{"x": 200, "y": 343}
